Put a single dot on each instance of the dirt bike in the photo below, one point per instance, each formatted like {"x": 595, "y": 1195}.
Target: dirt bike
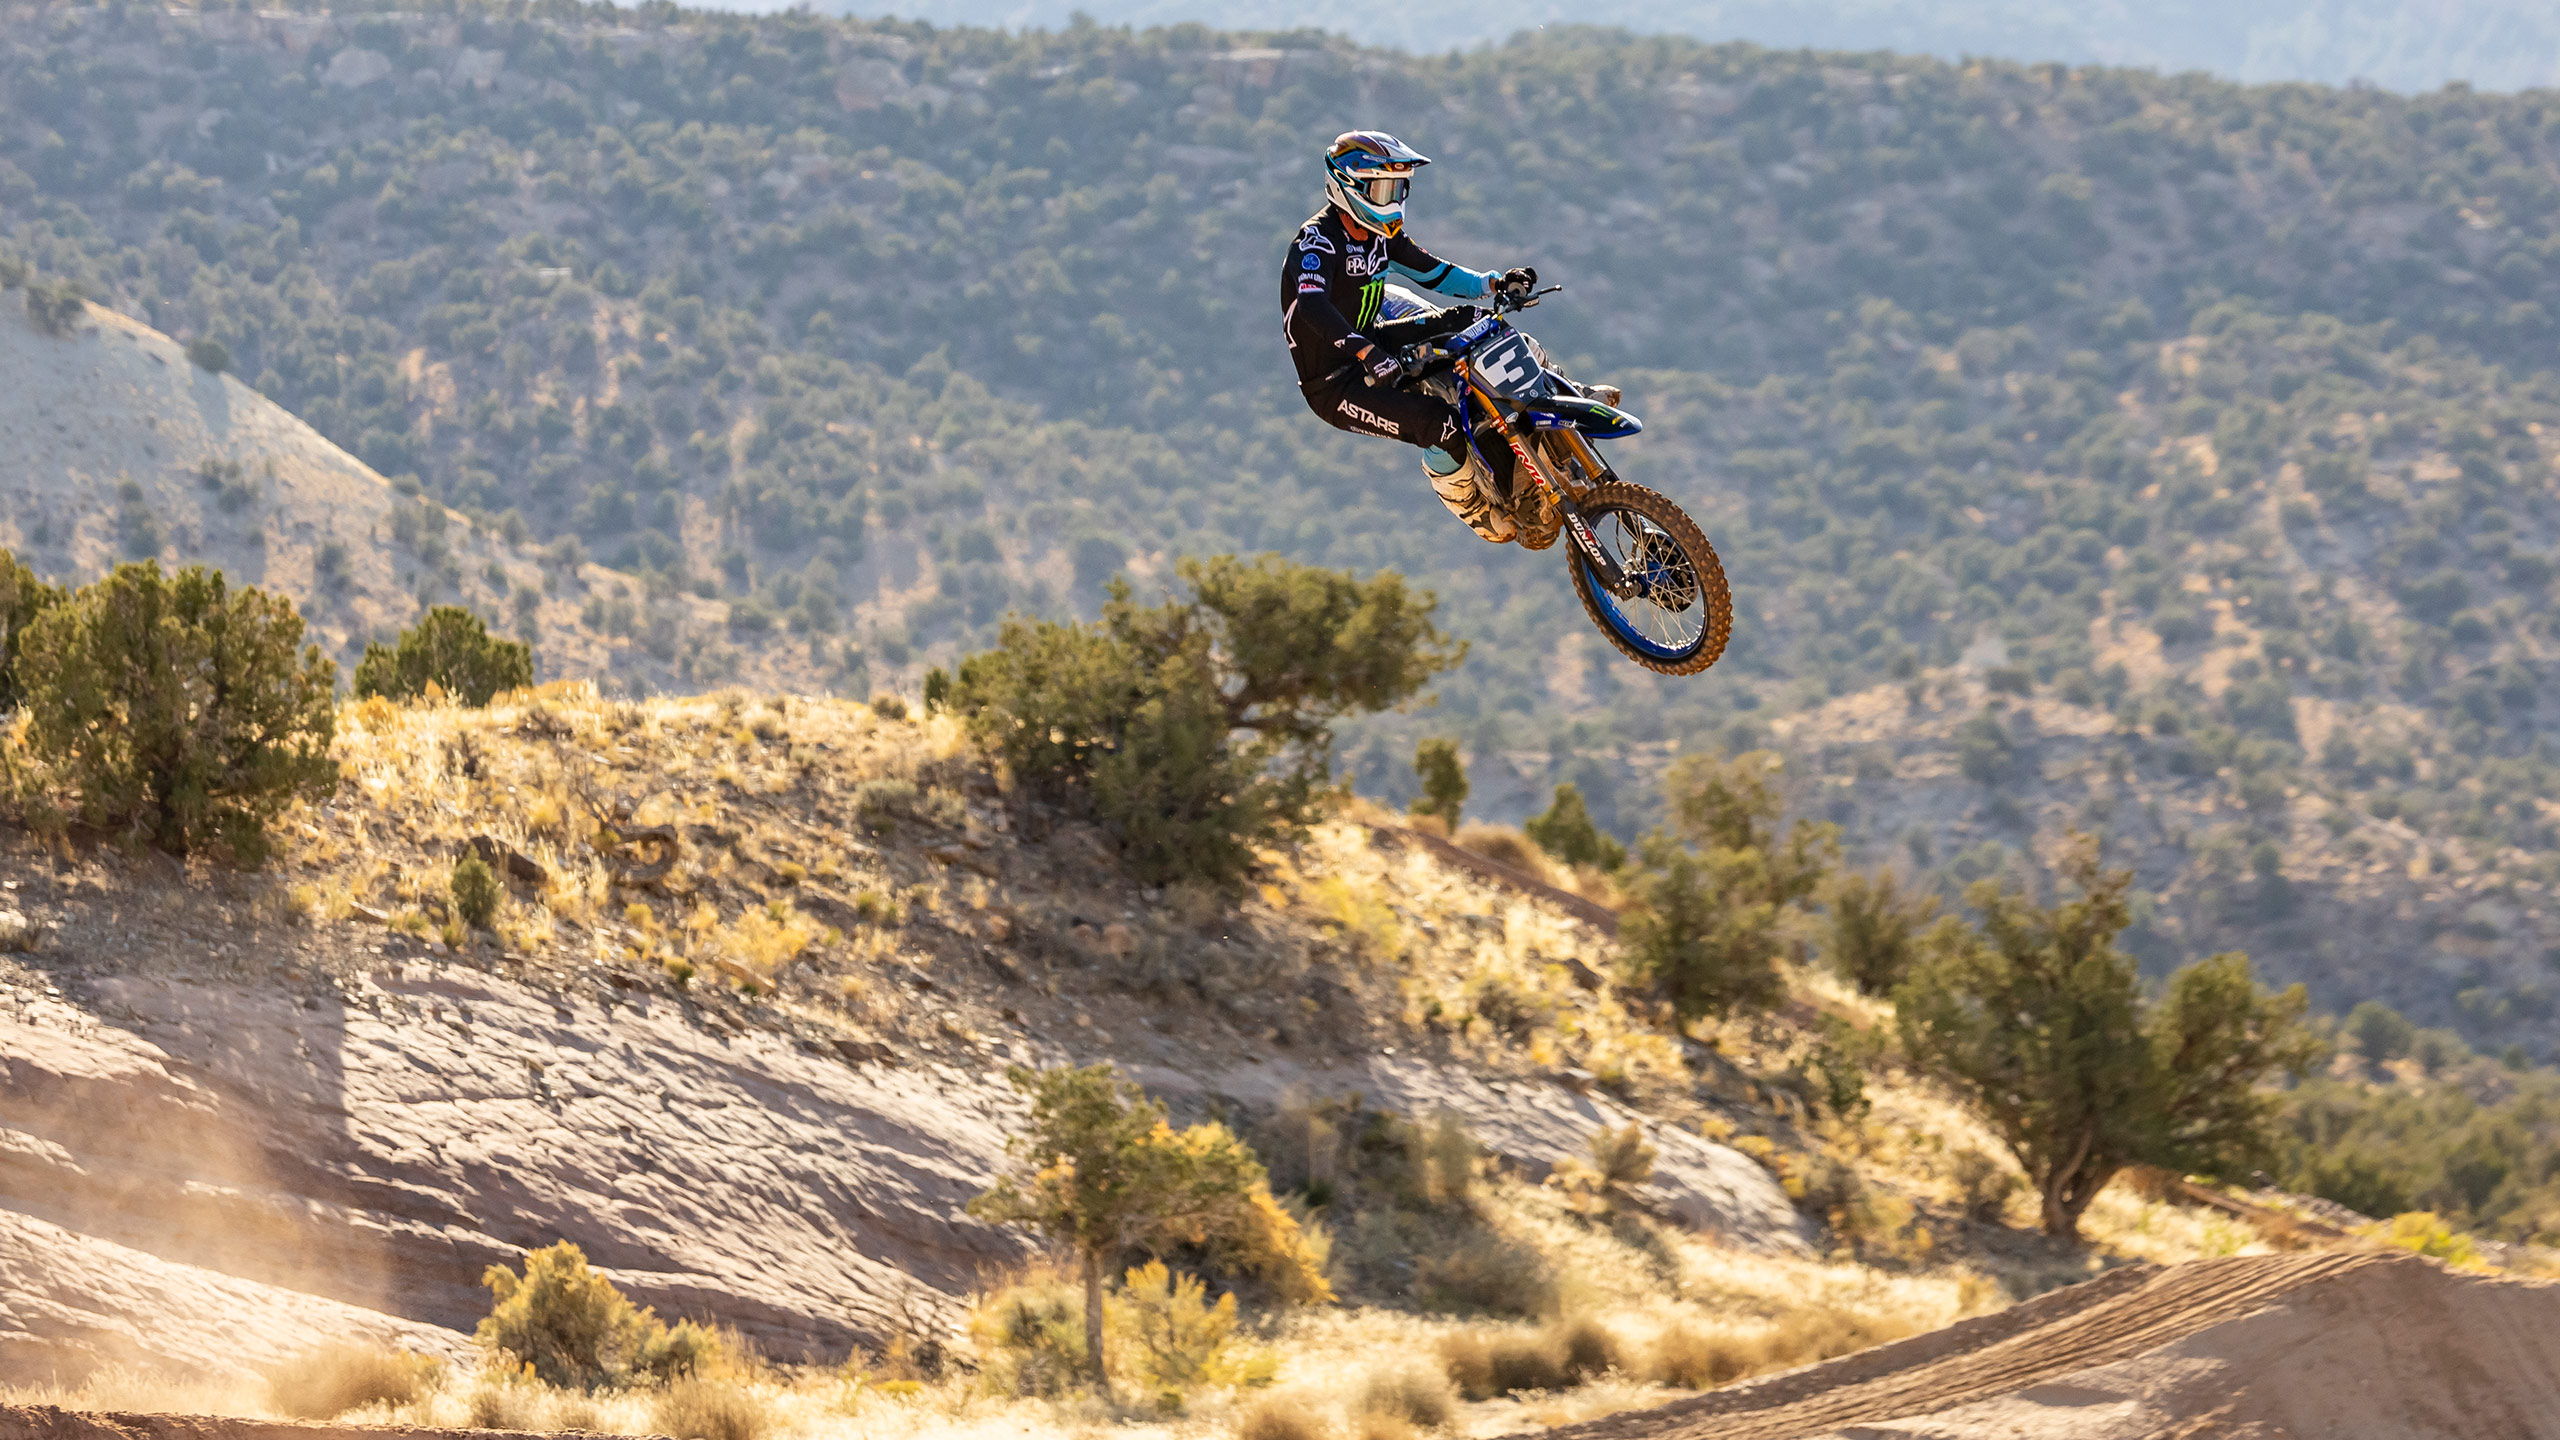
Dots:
{"x": 1646, "y": 574}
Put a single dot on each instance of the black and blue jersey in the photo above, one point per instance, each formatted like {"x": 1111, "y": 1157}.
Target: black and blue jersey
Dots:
{"x": 1331, "y": 287}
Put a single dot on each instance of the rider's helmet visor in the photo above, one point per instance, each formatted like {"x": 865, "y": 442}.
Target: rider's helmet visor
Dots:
{"x": 1387, "y": 189}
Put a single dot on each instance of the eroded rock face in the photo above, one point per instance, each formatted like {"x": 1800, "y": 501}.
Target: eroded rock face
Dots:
{"x": 70, "y": 1303}
{"x": 380, "y": 1144}
{"x": 386, "y": 1147}
{"x": 1714, "y": 1189}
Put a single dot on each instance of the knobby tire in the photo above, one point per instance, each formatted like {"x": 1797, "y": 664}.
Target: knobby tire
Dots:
{"x": 1712, "y": 591}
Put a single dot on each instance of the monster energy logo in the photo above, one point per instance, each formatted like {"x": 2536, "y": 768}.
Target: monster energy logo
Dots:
{"x": 1372, "y": 295}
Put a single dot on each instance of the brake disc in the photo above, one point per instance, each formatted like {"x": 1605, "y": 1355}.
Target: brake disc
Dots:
{"x": 1661, "y": 569}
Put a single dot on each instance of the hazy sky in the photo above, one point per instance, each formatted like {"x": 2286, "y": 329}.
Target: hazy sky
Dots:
{"x": 2399, "y": 44}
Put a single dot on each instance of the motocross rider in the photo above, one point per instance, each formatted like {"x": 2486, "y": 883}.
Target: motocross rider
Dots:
{"x": 1346, "y": 324}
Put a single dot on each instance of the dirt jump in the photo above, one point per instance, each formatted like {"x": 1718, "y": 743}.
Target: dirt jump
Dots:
{"x": 2339, "y": 1346}
{"x": 2342, "y": 1346}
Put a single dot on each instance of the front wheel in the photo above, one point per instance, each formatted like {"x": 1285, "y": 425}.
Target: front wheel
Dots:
{"x": 1679, "y": 614}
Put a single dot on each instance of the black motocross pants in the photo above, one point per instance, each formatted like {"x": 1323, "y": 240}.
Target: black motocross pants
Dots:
{"x": 1346, "y": 403}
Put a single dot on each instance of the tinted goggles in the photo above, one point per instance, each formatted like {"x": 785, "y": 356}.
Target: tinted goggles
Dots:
{"x": 1387, "y": 189}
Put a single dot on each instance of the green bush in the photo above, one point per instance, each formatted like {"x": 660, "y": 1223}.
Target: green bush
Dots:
{"x": 450, "y": 649}
{"x": 1697, "y": 931}
{"x": 1032, "y": 1335}
{"x": 22, "y": 598}
{"x": 1875, "y": 929}
{"x": 177, "y": 709}
{"x": 1137, "y": 718}
{"x": 2379, "y": 1032}
{"x": 1566, "y": 832}
{"x": 475, "y": 892}
{"x": 56, "y": 308}
{"x": 2038, "y": 1016}
{"x": 1444, "y": 780}
{"x": 209, "y": 355}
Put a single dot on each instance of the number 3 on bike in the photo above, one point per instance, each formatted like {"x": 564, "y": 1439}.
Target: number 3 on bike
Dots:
{"x": 1507, "y": 440}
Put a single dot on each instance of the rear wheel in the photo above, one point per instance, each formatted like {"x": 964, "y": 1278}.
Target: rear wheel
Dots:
{"x": 1679, "y": 614}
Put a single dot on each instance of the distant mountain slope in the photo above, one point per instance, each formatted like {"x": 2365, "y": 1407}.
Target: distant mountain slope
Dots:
{"x": 114, "y": 447}
{"x": 2226, "y": 414}
{"x": 2398, "y": 44}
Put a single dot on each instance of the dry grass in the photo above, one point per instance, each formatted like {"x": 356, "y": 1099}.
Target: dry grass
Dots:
{"x": 711, "y": 1410}
{"x": 1410, "y": 1392}
{"x": 325, "y": 1383}
{"x": 149, "y": 1392}
{"x": 1283, "y": 1417}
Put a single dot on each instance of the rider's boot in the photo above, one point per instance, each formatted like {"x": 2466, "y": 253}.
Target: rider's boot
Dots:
{"x": 1457, "y": 483}
{"x": 1608, "y": 395}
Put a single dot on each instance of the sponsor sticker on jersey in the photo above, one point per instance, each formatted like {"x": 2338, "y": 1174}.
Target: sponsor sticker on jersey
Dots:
{"x": 1310, "y": 261}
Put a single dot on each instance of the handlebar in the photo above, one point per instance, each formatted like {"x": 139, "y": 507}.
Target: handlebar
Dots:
{"x": 1504, "y": 302}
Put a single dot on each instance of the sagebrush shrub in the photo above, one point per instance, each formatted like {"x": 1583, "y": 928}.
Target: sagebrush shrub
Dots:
{"x": 579, "y": 1332}
{"x": 1032, "y": 1334}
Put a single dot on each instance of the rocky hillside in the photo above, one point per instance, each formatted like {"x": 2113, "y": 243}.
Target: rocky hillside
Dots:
{"x": 114, "y": 446}
{"x": 739, "y": 1033}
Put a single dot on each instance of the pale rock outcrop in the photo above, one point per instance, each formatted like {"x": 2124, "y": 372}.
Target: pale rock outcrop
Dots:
{"x": 70, "y": 1303}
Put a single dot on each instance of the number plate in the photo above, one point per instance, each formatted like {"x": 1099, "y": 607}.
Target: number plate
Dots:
{"x": 1506, "y": 367}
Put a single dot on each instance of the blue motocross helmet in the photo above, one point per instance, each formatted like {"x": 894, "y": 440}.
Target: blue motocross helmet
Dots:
{"x": 1367, "y": 174}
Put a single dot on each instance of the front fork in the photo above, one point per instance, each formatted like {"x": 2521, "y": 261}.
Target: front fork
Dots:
{"x": 1604, "y": 568}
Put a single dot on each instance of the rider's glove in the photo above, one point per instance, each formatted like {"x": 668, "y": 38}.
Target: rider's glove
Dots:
{"x": 1385, "y": 366}
{"x": 1455, "y": 319}
{"x": 1519, "y": 280}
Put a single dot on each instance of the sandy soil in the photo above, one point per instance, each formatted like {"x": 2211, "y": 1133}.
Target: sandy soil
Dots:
{"x": 2340, "y": 1345}
{"x": 44, "y": 1422}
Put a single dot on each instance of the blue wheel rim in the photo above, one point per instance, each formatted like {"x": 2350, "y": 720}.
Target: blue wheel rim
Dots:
{"x": 1625, "y": 625}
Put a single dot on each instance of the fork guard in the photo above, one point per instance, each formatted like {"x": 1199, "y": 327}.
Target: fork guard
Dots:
{"x": 1574, "y": 412}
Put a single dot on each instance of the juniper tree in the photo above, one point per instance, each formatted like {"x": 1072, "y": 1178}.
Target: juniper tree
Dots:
{"x": 178, "y": 709}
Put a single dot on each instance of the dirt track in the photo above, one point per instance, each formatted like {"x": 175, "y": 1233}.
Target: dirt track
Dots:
{"x": 44, "y": 1422}
{"x": 2330, "y": 1345}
